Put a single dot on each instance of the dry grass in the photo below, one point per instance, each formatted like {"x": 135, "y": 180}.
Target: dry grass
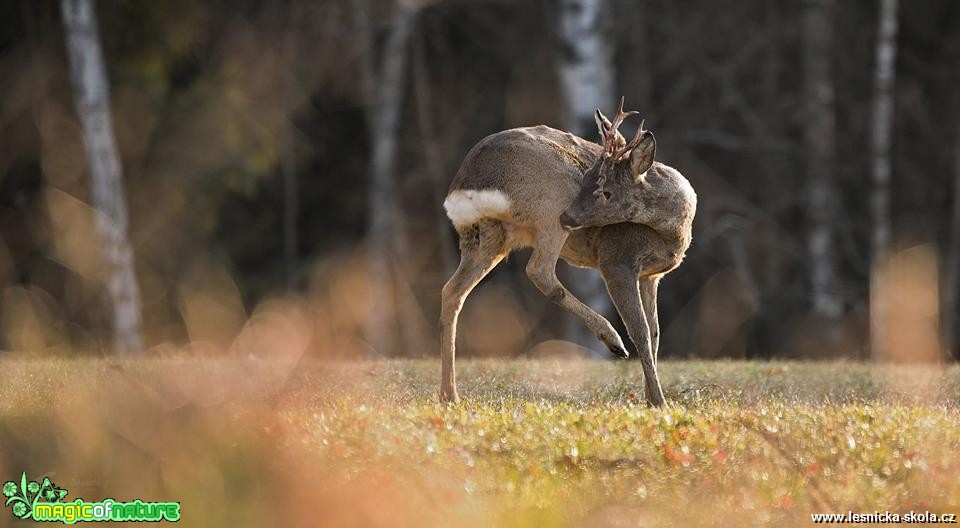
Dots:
{"x": 535, "y": 443}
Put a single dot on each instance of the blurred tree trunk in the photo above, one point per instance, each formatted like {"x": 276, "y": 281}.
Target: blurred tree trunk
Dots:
{"x": 385, "y": 89}
{"x": 772, "y": 58}
{"x": 586, "y": 72}
{"x": 819, "y": 133}
{"x": 291, "y": 53}
{"x": 951, "y": 292}
{"x": 433, "y": 159}
{"x": 291, "y": 209}
{"x": 635, "y": 62}
{"x": 883, "y": 104}
{"x": 91, "y": 93}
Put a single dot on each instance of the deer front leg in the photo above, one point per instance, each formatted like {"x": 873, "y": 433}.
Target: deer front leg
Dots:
{"x": 542, "y": 271}
{"x": 648, "y": 297}
{"x": 622, "y": 284}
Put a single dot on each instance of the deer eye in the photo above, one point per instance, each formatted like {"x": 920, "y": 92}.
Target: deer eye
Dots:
{"x": 603, "y": 196}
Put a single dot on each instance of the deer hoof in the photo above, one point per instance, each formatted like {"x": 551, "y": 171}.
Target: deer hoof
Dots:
{"x": 449, "y": 396}
{"x": 618, "y": 350}
{"x": 656, "y": 401}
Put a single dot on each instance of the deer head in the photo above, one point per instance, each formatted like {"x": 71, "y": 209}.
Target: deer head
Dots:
{"x": 616, "y": 185}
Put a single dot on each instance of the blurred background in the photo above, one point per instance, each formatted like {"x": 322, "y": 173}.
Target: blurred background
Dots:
{"x": 302, "y": 149}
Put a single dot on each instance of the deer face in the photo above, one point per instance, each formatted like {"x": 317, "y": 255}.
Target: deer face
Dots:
{"x": 615, "y": 187}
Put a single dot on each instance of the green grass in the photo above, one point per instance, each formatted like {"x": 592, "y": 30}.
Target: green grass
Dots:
{"x": 534, "y": 443}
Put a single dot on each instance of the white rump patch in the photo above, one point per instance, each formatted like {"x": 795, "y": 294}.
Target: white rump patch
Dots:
{"x": 466, "y": 207}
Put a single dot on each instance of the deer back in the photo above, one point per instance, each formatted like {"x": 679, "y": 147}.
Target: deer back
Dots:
{"x": 526, "y": 176}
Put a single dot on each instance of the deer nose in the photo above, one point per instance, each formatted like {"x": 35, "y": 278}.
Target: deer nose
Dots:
{"x": 567, "y": 222}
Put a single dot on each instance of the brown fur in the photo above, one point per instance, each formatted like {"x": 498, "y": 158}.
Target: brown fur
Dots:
{"x": 633, "y": 242}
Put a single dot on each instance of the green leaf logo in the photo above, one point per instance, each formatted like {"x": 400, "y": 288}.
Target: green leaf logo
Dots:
{"x": 9, "y": 489}
{"x": 25, "y": 496}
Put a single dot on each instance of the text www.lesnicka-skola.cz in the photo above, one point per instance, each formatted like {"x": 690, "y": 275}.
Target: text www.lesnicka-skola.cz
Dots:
{"x": 910, "y": 517}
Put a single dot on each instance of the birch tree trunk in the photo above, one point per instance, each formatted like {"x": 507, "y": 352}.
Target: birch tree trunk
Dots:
{"x": 290, "y": 51}
{"x": 586, "y": 72}
{"x": 883, "y": 84}
{"x": 386, "y": 90}
{"x": 291, "y": 209}
{"x": 820, "y": 173}
{"x": 634, "y": 24}
{"x": 91, "y": 92}
{"x": 951, "y": 292}
{"x": 433, "y": 159}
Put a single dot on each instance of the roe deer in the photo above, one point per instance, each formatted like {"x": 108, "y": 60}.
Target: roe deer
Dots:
{"x": 609, "y": 207}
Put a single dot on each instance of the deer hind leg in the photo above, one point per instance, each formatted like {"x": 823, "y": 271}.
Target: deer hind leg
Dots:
{"x": 482, "y": 247}
{"x": 648, "y": 297}
{"x": 624, "y": 290}
{"x": 542, "y": 271}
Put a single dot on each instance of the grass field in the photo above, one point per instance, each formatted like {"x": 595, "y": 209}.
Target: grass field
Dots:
{"x": 535, "y": 443}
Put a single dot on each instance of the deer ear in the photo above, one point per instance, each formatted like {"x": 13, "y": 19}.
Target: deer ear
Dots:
{"x": 641, "y": 157}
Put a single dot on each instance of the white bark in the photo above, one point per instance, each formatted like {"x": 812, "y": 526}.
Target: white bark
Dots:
{"x": 586, "y": 62}
{"x": 586, "y": 73}
{"x": 819, "y": 132}
{"x": 883, "y": 99}
{"x": 387, "y": 90}
{"x": 91, "y": 93}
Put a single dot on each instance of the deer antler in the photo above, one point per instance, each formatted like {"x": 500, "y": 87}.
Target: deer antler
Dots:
{"x": 633, "y": 142}
{"x": 611, "y": 148}
{"x": 610, "y": 136}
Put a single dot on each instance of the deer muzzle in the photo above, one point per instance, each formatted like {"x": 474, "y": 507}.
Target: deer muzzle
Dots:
{"x": 568, "y": 223}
